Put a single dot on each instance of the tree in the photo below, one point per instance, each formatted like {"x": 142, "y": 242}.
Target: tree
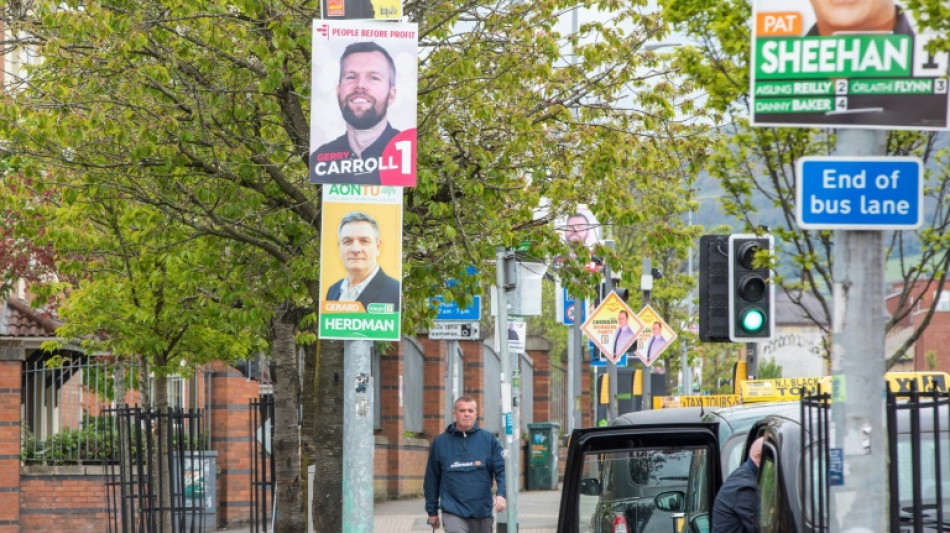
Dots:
{"x": 20, "y": 259}
{"x": 199, "y": 112}
{"x": 755, "y": 166}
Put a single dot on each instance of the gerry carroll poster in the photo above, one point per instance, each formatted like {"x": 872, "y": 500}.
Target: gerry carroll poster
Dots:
{"x": 363, "y": 103}
{"x": 860, "y": 64}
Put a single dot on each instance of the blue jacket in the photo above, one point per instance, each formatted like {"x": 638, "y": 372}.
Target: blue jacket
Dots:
{"x": 462, "y": 465}
{"x": 737, "y": 504}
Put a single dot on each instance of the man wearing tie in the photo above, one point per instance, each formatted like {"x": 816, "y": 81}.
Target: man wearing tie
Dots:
{"x": 622, "y": 336}
{"x": 656, "y": 343}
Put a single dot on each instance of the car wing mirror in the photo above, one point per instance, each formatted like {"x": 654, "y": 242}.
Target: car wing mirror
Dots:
{"x": 699, "y": 523}
{"x": 672, "y": 501}
{"x": 590, "y": 486}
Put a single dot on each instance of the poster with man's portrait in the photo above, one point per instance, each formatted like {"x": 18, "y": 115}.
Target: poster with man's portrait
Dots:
{"x": 363, "y": 103}
{"x": 855, "y": 64}
{"x": 361, "y": 262}
{"x": 579, "y": 228}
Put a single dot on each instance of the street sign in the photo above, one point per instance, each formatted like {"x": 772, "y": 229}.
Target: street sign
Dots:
{"x": 869, "y": 193}
{"x": 837, "y": 66}
{"x": 454, "y": 331}
{"x": 655, "y": 337}
{"x": 452, "y": 312}
{"x": 564, "y": 305}
{"x": 613, "y": 327}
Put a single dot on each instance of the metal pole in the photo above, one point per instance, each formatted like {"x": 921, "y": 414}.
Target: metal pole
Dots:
{"x": 613, "y": 409}
{"x": 857, "y": 408}
{"x": 684, "y": 360}
{"x": 646, "y": 285}
{"x": 579, "y": 351}
{"x": 507, "y": 392}
{"x": 357, "y": 437}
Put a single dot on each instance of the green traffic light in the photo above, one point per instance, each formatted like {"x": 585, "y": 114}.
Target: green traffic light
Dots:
{"x": 752, "y": 320}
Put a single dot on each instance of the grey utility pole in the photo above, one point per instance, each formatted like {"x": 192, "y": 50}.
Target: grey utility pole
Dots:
{"x": 613, "y": 410}
{"x": 857, "y": 408}
{"x": 646, "y": 285}
{"x": 503, "y": 258}
{"x": 575, "y": 356}
{"x": 358, "y": 436}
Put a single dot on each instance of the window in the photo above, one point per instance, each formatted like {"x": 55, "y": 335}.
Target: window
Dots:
{"x": 768, "y": 490}
{"x": 943, "y": 302}
{"x": 623, "y": 483}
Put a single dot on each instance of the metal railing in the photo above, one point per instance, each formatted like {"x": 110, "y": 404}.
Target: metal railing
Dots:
{"x": 64, "y": 404}
{"x": 158, "y": 479}
{"x": 916, "y": 421}
{"x": 918, "y": 443}
{"x": 813, "y": 474}
{"x": 263, "y": 476}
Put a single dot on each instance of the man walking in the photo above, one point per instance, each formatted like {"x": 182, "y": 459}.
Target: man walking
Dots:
{"x": 737, "y": 504}
{"x": 463, "y": 463}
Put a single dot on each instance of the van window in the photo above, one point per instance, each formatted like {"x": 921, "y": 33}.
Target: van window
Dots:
{"x": 928, "y": 468}
{"x": 628, "y": 482}
{"x": 732, "y": 452}
{"x": 768, "y": 491}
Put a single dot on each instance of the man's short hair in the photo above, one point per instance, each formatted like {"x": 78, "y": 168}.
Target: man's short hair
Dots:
{"x": 366, "y": 47}
{"x": 466, "y": 399}
{"x": 359, "y": 216}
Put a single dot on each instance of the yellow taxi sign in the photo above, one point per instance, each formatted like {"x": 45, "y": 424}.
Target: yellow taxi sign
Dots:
{"x": 906, "y": 382}
{"x": 714, "y": 400}
{"x": 778, "y": 389}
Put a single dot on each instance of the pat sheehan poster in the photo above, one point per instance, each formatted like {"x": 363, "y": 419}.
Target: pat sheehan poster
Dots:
{"x": 361, "y": 262}
{"x": 857, "y": 64}
{"x": 363, "y": 103}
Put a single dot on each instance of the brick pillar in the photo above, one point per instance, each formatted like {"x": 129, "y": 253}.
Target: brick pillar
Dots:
{"x": 386, "y": 467}
{"x": 10, "y": 376}
{"x": 539, "y": 349}
{"x": 434, "y": 364}
{"x": 473, "y": 357}
{"x": 231, "y": 435}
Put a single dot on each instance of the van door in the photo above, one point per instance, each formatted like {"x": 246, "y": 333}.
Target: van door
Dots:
{"x": 641, "y": 479}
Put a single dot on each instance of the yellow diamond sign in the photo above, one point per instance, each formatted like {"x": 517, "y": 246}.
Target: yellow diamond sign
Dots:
{"x": 613, "y": 327}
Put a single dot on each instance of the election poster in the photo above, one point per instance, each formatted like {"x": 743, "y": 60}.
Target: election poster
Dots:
{"x": 857, "y": 64}
{"x": 655, "y": 337}
{"x": 362, "y": 9}
{"x": 363, "y": 103}
{"x": 613, "y": 327}
{"x": 361, "y": 262}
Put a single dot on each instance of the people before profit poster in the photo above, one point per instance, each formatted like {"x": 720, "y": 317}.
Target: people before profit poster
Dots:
{"x": 363, "y": 103}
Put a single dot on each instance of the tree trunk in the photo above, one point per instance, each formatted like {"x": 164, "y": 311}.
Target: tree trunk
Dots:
{"x": 327, "y": 401}
{"x": 161, "y": 447}
{"x": 307, "y": 423}
{"x": 286, "y": 439}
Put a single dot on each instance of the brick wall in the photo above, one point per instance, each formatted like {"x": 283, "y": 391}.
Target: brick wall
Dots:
{"x": 231, "y": 436}
{"x": 63, "y": 498}
{"x": 10, "y": 446}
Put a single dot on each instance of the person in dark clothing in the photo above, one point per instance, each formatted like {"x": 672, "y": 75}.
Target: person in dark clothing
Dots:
{"x": 463, "y": 463}
{"x": 737, "y": 504}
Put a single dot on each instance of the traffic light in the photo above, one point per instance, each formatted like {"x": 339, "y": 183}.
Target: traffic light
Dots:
{"x": 751, "y": 318}
{"x": 714, "y": 288}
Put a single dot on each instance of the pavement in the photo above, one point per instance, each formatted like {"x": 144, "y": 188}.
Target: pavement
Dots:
{"x": 537, "y": 513}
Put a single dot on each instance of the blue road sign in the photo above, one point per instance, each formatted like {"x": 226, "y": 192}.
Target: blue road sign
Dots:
{"x": 882, "y": 193}
{"x": 598, "y": 359}
{"x": 451, "y": 312}
{"x": 567, "y": 305}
